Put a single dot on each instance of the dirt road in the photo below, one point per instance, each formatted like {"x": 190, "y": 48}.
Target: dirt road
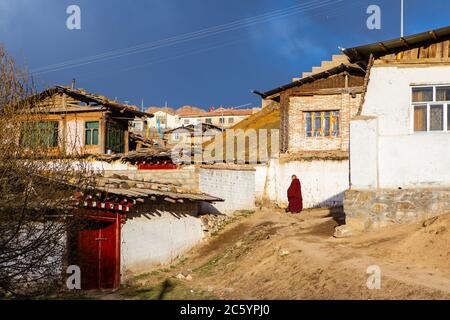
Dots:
{"x": 274, "y": 255}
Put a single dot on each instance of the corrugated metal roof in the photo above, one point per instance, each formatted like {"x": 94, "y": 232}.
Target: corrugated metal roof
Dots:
{"x": 361, "y": 55}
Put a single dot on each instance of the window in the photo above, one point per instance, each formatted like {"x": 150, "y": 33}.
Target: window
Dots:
{"x": 422, "y": 94}
{"x": 186, "y": 121}
{"x": 115, "y": 138}
{"x": 448, "y": 117}
{"x": 222, "y": 120}
{"x": 208, "y": 120}
{"x": 429, "y": 110}
{"x": 231, "y": 120}
{"x": 437, "y": 117}
{"x": 443, "y": 94}
{"x": 322, "y": 124}
{"x": 91, "y": 133}
{"x": 40, "y": 134}
{"x": 420, "y": 118}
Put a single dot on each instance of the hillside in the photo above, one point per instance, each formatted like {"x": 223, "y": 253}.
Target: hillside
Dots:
{"x": 266, "y": 119}
{"x": 272, "y": 255}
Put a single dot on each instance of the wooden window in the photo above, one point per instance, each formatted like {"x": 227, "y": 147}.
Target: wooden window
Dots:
{"x": 429, "y": 110}
{"x": 317, "y": 130}
{"x": 443, "y": 93}
{"x": 437, "y": 118}
{"x": 448, "y": 117}
{"x": 115, "y": 138}
{"x": 308, "y": 124}
{"x": 322, "y": 124}
{"x": 91, "y": 133}
{"x": 422, "y": 94}
{"x": 40, "y": 134}
{"x": 222, "y": 120}
{"x": 335, "y": 123}
{"x": 420, "y": 118}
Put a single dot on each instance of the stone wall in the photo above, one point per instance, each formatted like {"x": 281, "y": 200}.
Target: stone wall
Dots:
{"x": 368, "y": 209}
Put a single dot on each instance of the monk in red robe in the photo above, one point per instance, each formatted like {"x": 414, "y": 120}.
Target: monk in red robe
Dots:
{"x": 294, "y": 194}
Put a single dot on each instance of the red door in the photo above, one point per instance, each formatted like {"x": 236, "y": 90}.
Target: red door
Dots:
{"x": 97, "y": 252}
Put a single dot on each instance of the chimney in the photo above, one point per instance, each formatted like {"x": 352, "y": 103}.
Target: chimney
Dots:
{"x": 73, "y": 83}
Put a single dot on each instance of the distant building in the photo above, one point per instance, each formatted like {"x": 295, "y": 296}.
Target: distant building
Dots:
{"x": 221, "y": 117}
{"x": 73, "y": 121}
{"x": 187, "y": 134}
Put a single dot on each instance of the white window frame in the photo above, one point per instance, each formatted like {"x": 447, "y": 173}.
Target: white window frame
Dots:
{"x": 445, "y": 105}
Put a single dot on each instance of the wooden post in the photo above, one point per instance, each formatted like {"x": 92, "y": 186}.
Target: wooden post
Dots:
{"x": 127, "y": 141}
{"x": 103, "y": 134}
{"x": 118, "y": 253}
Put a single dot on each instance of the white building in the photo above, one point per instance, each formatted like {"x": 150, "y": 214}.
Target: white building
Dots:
{"x": 400, "y": 139}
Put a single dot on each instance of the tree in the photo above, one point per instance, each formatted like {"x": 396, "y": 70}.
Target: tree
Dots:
{"x": 36, "y": 190}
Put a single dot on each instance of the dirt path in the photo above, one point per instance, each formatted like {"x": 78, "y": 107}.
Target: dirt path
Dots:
{"x": 273, "y": 255}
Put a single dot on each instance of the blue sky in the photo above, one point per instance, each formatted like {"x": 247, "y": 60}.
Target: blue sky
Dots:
{"x": 241, "y": 44}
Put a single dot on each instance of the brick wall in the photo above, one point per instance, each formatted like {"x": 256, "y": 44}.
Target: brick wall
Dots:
{"x": 297, "y": 139}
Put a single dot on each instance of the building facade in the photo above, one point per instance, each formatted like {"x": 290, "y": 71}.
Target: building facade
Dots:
{"x": 70, "y": 121}
{"x": 315, "y": 113}
{"x": 400, "y": 138}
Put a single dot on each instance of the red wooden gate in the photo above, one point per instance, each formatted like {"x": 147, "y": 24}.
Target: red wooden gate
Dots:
{"x": 96, "y": 250}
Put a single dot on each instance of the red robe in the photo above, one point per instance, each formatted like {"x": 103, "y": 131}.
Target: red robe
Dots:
{"x": 295, "y": 199}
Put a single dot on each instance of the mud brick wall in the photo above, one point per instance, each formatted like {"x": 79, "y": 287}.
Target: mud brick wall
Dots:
{"x": 368, "y": 209}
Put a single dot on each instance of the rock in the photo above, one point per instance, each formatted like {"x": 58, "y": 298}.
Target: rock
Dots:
{"x": 186, "y": 273}
{"x": 124, "y": 185}
{"x": 228, "y": 290}
{"x": 283, "y": 253}
{"x": 343, "y": 231}
{"x": 188, "y": 277}
{"x": 180, "y": 276}
{"x": 239, "y": 244}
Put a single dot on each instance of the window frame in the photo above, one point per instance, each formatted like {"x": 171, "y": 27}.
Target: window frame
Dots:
{"x": 92, "y": 133}
{"x": 429, "y": 104}
{"x": 33, "y": 134}
{"x": 323, "y": 113}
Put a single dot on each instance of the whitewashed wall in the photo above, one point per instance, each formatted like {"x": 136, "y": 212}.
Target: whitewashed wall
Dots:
{"x": 236, "y": 187}
{"x": 403, "y": 159}
{"x": 323, "y": 182}
{"x": 158, "y": 236}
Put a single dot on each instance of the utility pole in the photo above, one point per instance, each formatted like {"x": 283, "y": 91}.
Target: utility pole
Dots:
{"x": 401, "y": 19}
